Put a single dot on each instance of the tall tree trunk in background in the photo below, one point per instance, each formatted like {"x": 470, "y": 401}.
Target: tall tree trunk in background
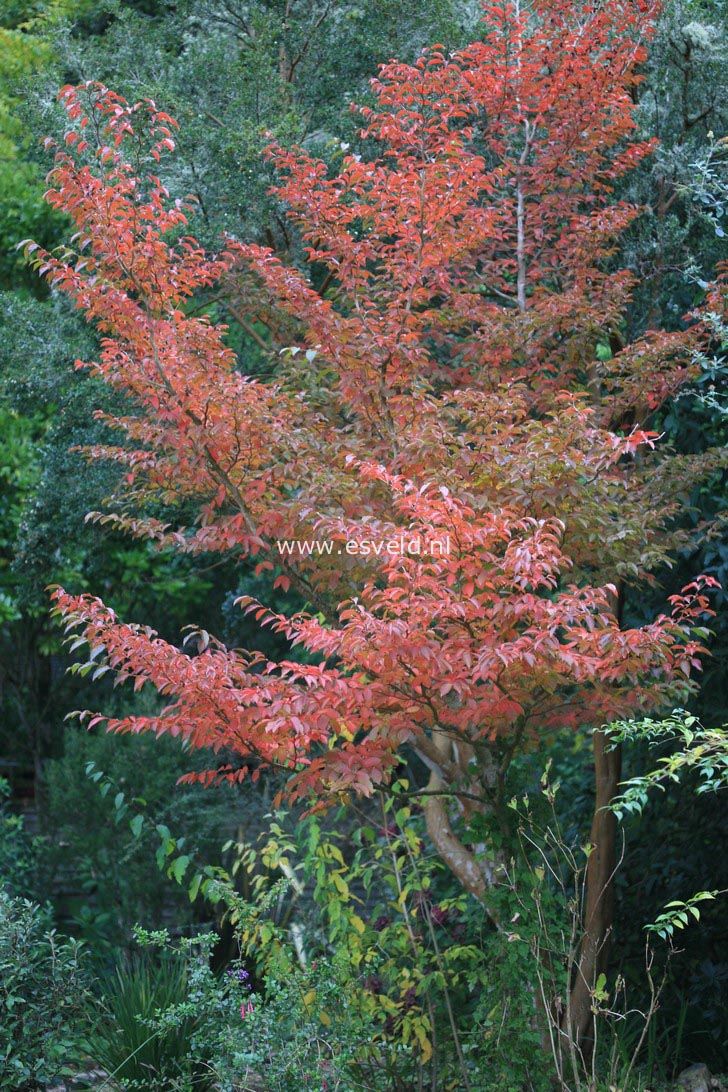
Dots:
{"x": 599, "y": 894}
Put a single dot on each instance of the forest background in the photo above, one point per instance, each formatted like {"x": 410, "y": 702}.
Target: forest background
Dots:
{"x": 233, "y": 74}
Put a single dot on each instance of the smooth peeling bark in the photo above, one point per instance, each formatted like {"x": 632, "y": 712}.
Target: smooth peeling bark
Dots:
{"x": 460, "y": 861}
{"x": 451, "y": 786}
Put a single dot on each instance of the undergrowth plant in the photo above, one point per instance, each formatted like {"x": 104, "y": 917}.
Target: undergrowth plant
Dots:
{"x": 43, "y": 989}
{"x": 428, "y": 996}
{"x": 547, "y": 883}
{"x": 18, "y": 849}
{"x": 545, "y": 890}
{"x": 361, "y": 964}
{"x": 136, "y": 1051}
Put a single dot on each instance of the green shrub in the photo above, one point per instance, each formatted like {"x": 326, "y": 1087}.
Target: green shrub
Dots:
{"x": 42, "y": 993}
{"x": 205, "y": 1018}
{"x": 304, "y": 1031}
{"x": 375, "y": 971}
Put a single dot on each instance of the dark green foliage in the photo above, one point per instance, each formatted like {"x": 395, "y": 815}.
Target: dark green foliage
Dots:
{"x": 42, "y": 993}
{"x": 666, "y": 861}
{"x": 18, "y": 850}
{"x": 105, "y": 878}
{"x": 51, "y": 409}
{"x": 673, "y": 249}
{"x": 674, "y": 244}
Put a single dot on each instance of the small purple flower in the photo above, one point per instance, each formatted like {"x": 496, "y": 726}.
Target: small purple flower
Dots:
{"x": 239, "y": 974}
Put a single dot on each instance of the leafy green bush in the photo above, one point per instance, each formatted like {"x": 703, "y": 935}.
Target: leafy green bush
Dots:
{"x": 42, "y": 993}
{"x": 374, "y": 970}
{"x": 359, "y": 968}
{"x": 209, "y": 1015}
{"x": 216, "y": 1029}
{"x": 306, "y": 1031}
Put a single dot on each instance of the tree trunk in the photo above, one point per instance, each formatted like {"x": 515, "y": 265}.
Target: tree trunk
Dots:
{"x": 475, "y": 868}
{"x": 478, "y": 870}
{"x": 599, "y": 900}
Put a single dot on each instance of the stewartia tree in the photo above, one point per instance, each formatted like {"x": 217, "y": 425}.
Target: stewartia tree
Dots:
{"x": 439, "y": 380}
